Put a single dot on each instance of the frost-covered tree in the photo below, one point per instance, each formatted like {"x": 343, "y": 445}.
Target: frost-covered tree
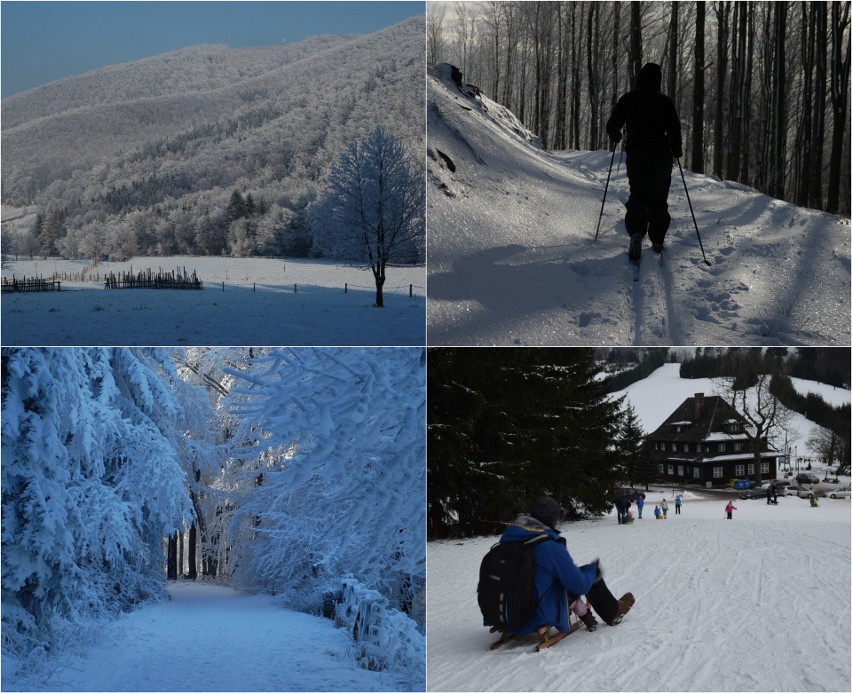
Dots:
{"x": 375, "y": 204}
{"x": 332, "y": 474}
{"x": 93, "y": 442}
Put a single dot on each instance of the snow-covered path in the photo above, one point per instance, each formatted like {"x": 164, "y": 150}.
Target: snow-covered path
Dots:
{"x": 513, "y": 260}
{"x": 211, "y": 638}
{"x": 758, "y": 603}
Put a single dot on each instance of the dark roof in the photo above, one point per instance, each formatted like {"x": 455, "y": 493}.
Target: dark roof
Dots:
{"x": 696, "y": 426}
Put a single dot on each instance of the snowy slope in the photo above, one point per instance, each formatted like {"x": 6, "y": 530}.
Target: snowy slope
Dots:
{"x": 758, "y": 603}
{"x": 210, "y": 638}
{"x": 512, "y": 258}
{"x": 657, "y": 396}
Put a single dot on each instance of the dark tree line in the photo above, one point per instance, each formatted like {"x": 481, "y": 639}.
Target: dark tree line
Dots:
{"x": 762, "y": 88}
{"x": 506, "y": 425}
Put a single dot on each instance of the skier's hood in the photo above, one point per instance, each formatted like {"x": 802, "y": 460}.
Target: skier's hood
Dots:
{"x": 650, "y": 77}
{"x": 526, "y": 527}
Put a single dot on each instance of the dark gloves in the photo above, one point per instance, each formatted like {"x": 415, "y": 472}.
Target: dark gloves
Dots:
{"x": 678, "y": 154}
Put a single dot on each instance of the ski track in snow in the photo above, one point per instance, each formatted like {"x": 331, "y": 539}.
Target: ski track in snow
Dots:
{"x": 211, "y": 638}
{"x": 761, "y": 602}
{"x": 513, "y": 260}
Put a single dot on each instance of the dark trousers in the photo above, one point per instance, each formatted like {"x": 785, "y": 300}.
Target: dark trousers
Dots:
{"x": 602, "y": 600}
{"x": 649, "y": 172}
{"x": 677, "y": 510}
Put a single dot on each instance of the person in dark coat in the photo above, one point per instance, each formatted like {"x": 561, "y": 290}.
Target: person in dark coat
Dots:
{"x": 621, "y": 507}
{"x": 558, "y": 580}
{"x": 653, "y": 137}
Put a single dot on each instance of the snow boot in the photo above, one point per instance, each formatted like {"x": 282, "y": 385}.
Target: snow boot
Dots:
{"x": 635, "y": 250}
{"x": 657, "y": 247}
{"x": 627, "y": 600}
{"x": 589, "y": 620}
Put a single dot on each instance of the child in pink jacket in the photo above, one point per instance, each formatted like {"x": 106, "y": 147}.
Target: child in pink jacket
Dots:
{"x": 729, "y": 508}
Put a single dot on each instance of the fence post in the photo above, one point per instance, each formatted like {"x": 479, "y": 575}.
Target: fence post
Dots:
{"x": 411, "y": 291}
{"x": 223, "y": 286}
{"x": 346, "y": 288}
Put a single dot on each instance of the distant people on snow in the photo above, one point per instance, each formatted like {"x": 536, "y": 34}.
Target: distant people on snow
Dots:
{"x": 729, "y": 509}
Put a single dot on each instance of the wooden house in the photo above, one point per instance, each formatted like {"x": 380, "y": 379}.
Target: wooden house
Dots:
{"x": 706, "y": 441}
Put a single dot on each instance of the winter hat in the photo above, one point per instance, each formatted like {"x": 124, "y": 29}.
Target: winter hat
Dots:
{"x": 650, "y": 77}
{"x": 547, "y": 510}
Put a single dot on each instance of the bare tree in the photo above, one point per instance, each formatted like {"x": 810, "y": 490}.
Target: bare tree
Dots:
{"x": 435, "y": 43}
{"x": 697, "y": 159}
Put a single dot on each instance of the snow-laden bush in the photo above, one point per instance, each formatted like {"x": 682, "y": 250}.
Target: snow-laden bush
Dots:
{"x": 332, "y": 480}
{"x": 92, "y": 480}
{"x": 384, "y": 638}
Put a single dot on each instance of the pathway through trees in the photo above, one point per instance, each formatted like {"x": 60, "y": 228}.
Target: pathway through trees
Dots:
{"x": 211, "y": 638}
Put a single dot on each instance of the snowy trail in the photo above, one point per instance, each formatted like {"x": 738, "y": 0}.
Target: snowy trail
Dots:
{"x": 210, "y": 638}
{"x": 513, "y": 260}
{"x": 761, "y": 602}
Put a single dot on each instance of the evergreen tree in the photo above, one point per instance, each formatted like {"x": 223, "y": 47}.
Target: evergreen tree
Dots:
{"x": 507, "y": 425}
{"x": 630, "y": 443}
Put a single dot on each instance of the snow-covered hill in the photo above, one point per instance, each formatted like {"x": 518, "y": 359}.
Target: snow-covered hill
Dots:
{"x": 512, "y": 258}
{"x": 758, "y": 603}
{"x": 657, "y": 396}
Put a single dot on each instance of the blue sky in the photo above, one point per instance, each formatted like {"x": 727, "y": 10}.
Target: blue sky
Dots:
{"x": 46, "y": 41}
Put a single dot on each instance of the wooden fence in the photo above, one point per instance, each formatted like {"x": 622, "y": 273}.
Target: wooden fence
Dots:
{"x": 29, "y": 285}
{"x": 147, "y": 279}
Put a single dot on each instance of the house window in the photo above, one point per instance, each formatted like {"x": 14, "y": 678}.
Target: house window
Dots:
{"x": 721, "y": 447}
{"x": 660, "y": 469}
{"x": 764, "y": 467}
{"x": 738, "y": 447}
{"x": 686, "y": 447}
{"x": 717, "y": 472}
{"x": 671, "y": 470}
{"x": 751, "y": 469}
{"x": 680, "y": 470}
{"x": 739, "y": 470}
{"x": 674, "y": 447}
{"x": 696, "y": 472}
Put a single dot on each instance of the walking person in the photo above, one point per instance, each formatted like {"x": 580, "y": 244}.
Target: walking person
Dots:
{"x": 664, "y": 506}
{"x": 653, "y": 137}
{"x": 640, "y": 503}
{"x": 729, "y": 508}
{"x": 678, "y": 503}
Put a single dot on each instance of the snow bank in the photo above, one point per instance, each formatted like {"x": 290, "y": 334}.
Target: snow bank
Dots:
{"x": 385, "y": 638}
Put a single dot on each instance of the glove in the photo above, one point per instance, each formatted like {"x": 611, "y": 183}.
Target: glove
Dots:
{"x": 678, "y": 154}
{"x": 615, "y": 139}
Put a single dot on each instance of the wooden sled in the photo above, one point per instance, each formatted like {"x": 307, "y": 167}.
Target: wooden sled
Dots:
{"x": 545, "y": 640}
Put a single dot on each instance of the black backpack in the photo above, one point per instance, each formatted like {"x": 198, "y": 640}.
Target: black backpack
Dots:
{"x": 506, "y": 590}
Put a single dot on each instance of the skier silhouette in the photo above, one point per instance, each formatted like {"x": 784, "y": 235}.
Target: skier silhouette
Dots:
{"x": 653, "y": 137}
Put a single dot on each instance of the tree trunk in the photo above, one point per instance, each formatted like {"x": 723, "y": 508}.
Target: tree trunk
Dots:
{"x": 723, "y": 11}
{"x": 193, "y": 539}
{"x": 820, "y": 14}
{"x": 379, "y": 275}
{"x": 171, "y": 558}
{"x": 839, "y": 97}
{"x": 635, "y": 41}
{"x": 804, "y": 135}
{"x": 673, "y": 51}
{"x": 697, "y": 159}
{"x": 780, "y": 102}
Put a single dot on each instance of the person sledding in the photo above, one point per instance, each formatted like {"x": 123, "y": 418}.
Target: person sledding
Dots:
{"x": 653, "y": 137}
{"x": 556, "y": 581}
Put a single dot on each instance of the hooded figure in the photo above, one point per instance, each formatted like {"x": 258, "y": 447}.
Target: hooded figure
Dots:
{"x": 653, "y": 137}
{"x": 558, "y": 580}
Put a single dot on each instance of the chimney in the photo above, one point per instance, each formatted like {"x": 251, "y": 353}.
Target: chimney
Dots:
{"x": 699, "y": 405}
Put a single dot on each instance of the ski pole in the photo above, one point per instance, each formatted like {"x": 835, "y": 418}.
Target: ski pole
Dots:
{"x": 606, "y": 187}
{"x": 686, "y": 190}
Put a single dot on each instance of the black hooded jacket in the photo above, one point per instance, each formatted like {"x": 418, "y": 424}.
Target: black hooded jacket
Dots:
{"x": 651, "y": 118}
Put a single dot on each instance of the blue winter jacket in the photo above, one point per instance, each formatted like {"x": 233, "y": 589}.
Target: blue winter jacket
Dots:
{"x": 555, "y": 575}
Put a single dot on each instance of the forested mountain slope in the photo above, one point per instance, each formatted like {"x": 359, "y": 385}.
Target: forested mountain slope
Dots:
{"x": 180, "y": 132}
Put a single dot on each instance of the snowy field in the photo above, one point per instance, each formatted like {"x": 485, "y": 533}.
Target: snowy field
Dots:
{"x": 758, "y": 603}
{"x": 210, "y": 638}
{"x": 264, "y": 302}
{"x": 513, "y": 261}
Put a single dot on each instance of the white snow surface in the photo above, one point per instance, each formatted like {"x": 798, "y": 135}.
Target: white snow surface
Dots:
{"x": 512, "y": 260}
{"x": 212, "y": 638}
{"x": 757, "y": 603}
{"x": 654, "y": 398}
{"x": 265, "y": 302}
